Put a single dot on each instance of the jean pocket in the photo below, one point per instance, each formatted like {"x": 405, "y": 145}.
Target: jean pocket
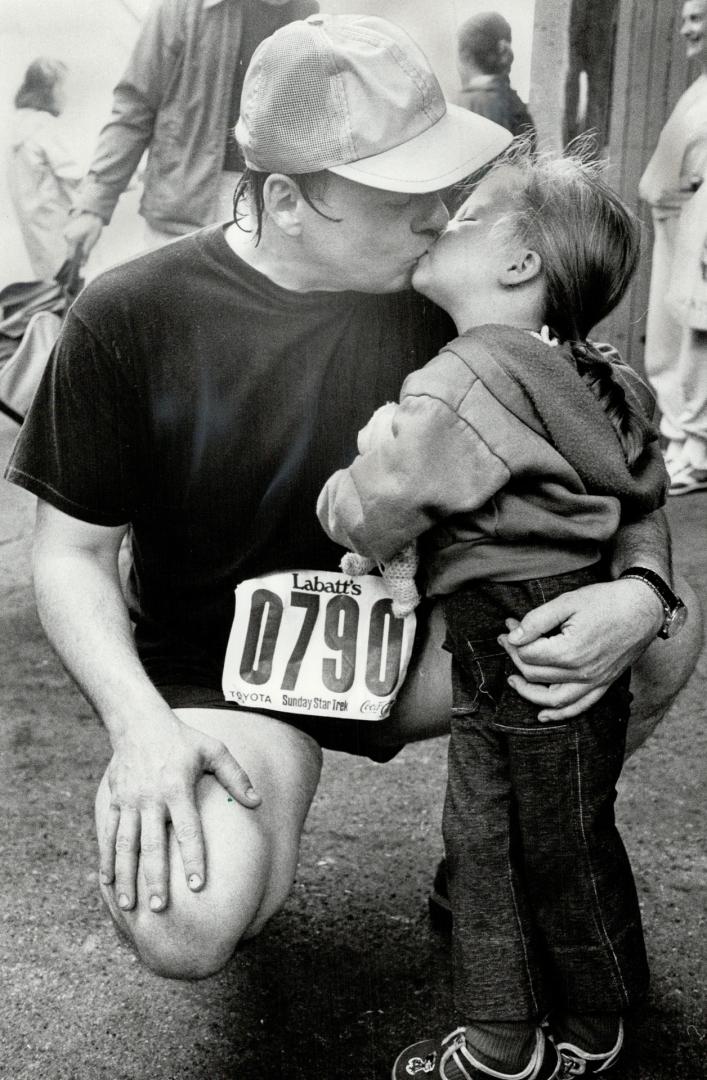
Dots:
{"x": 480, "y": 670}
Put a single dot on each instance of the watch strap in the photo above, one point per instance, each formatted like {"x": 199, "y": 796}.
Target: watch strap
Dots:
{"x": 670, "y": 601}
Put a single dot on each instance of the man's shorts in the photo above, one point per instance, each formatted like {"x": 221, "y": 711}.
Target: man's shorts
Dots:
{"x": 364, "y": 738}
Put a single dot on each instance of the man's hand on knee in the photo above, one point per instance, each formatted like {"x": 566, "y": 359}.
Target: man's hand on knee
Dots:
{"x": 153, "y": 780}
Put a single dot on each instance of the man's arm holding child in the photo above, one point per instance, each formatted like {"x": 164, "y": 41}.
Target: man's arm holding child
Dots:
{"x": 569, "y": 650}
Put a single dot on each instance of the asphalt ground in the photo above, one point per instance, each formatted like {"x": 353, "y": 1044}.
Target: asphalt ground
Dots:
{"x": 351, "y": 970}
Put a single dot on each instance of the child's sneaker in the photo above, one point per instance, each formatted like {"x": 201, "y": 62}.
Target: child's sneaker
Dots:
{"x": 578, "y": 1062}
{"x": 451, "y": 1059}
{"x": 687, "y": 480}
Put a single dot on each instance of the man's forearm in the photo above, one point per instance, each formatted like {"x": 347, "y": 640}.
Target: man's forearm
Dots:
{"x": 118, "y": 153}
{"x": 83, "y": 612}
{"x": 644, "y": 543}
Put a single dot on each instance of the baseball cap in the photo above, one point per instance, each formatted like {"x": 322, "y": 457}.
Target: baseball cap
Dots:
{"x": 356, "y": 95}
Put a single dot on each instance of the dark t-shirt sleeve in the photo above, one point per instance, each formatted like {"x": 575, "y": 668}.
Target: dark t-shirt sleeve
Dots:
{"x": 77, "y": 447}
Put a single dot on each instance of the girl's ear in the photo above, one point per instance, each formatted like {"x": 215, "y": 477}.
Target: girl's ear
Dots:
{"x": 282, "y": 201}
{"x": 521, "y": 267}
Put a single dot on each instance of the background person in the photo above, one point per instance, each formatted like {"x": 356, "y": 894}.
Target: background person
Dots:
{"x": 485, "y": 57}
{"x": 43, "y": 173}
{"x": 200, "y": 396}
{"x": 179, "y": 100}
{"x": 676, "y": 347}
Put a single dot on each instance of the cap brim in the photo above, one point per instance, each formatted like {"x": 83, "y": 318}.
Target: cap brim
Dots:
{"x": 453, "y": 148}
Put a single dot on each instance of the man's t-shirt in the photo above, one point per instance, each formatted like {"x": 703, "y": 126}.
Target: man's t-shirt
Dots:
{"x": 195, "y": 399}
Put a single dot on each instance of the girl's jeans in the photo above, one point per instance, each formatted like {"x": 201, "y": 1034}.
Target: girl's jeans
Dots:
{"x": 546, "y": 915}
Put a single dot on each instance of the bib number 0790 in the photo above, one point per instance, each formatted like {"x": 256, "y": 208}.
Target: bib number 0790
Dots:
{"x": 341, "y": 629}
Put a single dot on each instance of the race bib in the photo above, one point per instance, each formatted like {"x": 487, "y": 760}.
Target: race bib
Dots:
{"x": 315, "y": 642}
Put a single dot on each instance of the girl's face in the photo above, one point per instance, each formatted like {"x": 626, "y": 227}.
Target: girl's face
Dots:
{"x": 469, "y": 255}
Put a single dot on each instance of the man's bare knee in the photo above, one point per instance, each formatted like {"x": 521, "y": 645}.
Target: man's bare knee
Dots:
{"x": 184, "y": 943}
{"x": 176, "y": 949}
{"x": 251, "y": 856}
{"x": 198, "y": 932}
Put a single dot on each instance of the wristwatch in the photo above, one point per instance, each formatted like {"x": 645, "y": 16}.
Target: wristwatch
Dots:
{"x": 675, "y": 610}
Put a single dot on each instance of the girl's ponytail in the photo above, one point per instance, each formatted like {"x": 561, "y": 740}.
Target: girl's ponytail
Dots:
{"x": 588, "y": 242}
{"x": 626, "y": 417}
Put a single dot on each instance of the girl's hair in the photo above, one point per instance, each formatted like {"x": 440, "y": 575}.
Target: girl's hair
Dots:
{"x": 38, "y": 90}
{"x": 484, "y": 40}
{"x": 251, "y": 187}
{"x": 589, "y": 244}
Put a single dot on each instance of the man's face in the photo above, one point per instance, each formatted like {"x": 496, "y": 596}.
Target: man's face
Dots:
{"x": 377, "y": 240}
{"x": 692, "y": 26}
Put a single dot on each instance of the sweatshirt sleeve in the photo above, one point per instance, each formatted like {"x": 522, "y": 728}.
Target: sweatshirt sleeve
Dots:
{"x": 136, "y": 101}
{"x": 429, "y": 464}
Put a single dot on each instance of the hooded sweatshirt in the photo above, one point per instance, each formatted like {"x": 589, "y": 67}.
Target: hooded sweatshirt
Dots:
{"x": 503, "y": 457}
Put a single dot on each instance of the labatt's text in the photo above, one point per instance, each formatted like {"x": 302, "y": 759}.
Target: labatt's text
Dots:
{"x": 314, "y": 584}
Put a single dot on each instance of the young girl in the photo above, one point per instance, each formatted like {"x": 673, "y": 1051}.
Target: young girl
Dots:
{"x": 513, "y": 456}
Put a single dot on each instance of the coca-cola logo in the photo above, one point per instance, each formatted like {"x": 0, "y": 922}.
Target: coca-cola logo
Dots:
{"x": 374, "y": 708}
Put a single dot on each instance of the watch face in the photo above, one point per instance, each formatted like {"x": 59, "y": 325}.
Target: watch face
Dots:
{"x": 677, "y": 620}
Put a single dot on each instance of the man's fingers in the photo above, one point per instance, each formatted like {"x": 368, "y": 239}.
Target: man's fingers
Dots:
{"x": 579, "y": 706}
{"x": 542, "y": 620}
{"x": 186, "y": 824}
{"x": 127, "y": 843}
{"x": 154, "y": 857}
{"x": 232, "y": 777}
{"x": 553, "y": 695}
{"x": 106, "y": 866}
{"x": 529, "y": 668}
{"x": 558, "y": 701}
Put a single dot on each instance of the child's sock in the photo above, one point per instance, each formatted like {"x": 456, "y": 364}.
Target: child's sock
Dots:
{"x": 506, "y": 1047}
{"x": 595, "y": 1034}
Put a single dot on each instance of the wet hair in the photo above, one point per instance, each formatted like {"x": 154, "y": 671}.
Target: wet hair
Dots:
{"x": 38, "y": 90}
{"x": 251, "y": 187}
{"x": 484, "y": 40}
{"x": 589, "y": 244}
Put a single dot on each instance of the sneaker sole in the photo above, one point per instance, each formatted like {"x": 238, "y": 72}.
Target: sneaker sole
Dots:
{"x": 699, "y": 485}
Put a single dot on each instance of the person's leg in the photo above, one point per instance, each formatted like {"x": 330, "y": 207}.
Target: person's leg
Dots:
{"x": 499, "y": 990}
{"x": 692, "y": 474}
{"x": 693, "y": 421}
{"x": 579, "y": 879}
{"x": 251, "y": 854}
{"x": 497, "y": 971}
{"x": 662, "y": 671}
{"x": 424, "y": 704}
{"x": 577, "y": 874}
{"x": 663, "y": 332}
